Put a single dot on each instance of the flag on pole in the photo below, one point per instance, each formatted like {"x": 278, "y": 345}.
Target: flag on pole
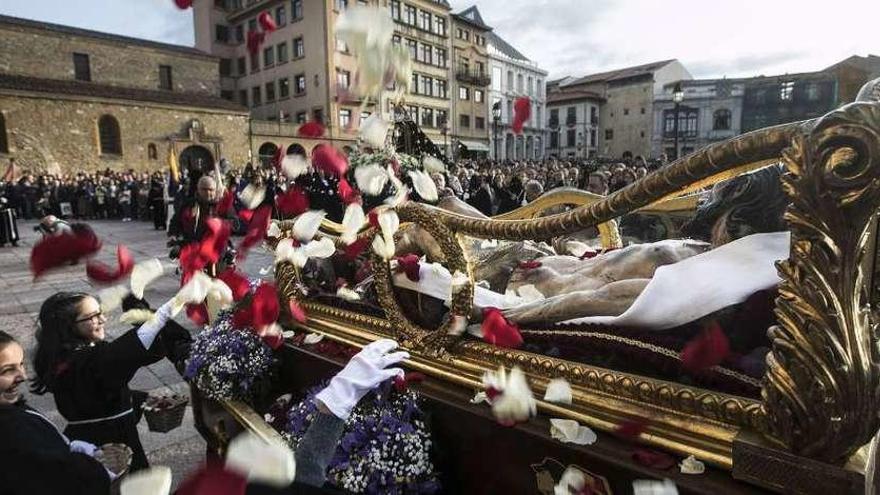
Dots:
{"x": 173, "y": 169}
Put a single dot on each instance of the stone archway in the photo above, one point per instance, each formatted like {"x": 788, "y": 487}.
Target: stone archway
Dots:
{"x": 196, "y": 160}
{"x": 296, "y": 149}
{"x": 266, "y": 153}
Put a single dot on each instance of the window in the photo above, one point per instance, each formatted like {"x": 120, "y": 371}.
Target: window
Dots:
{"x": 255, "y": 63}
{"x": 427, "y": 86}
{"x": 225, "y": 67}
{"x": 442, "y": 118}
{"x": 440, "y": 57}
{"x": 341, "y": 47}
{"x": 519, "y": 83}
{"x": 221, "y": 33}
{"x": 283, "y": 87}
{"x": 570, "y": 138}
{"x": 480, "y": 68}
{"x": 594, "y": 117}
{"x": 609, "y": 134}
{"x": 165, "y": 77}
{"x": 152, "y": 152}
{"x": 364, "y": 117}
{"x": 786, "y": 90}
{"x": 318, "y": 115}
{"x": 554, "y": 139}
{"x": 593, "y": 141}
{"x": 464, "y": 93}
{"x": 344, "y": 117}
{"x": 268, "y": 57}
{"x": 509, "y": 111}
{"x": 242, "y": 66}
{"x": 510, "y": 80}
{"x": 410, "y": 15}
{"x": 427, "y": 117}
{"x": 395, "y": 10}
{"x": 626, "y": 111}
{"x": 301, "y": 117}
{"x": 296, "y": 9}
{"x": 396, "y": 39}
{"x": 554, "y": 118}
{"x": 256, "y": 97}
{"x": 81, "y": 69}
{"x": 721, "y": 120}
{"x": 340, "y": 4}
{"x": 496, "y": 78}
{"x": 464, "y": 120}
{"x": 280, "y": 18}
{"x": 478, "y": 96}
{"x": 299, "y": 48}
{"x": 812, "y": 91}
{"x": 464, "y": 64}
{"x": 281, "y": 53}
{"x": 642, "y": 111}
{"x": 252, "y": 25}
{"x": 441, "y": 89}
{"x": 425, "y": 19}
{"x": 270, "y": 91}
{"x": 108, "y": 135}
{"x": 299, "y": 84}
{"x": 4, "y": 144}
{"x": 413, "y": 46}
{"x": 427, "y": 51}
{"x": 413, "y": 112}
{"x": 440, "y": 25}
{"x": 479, "y": 123}
{"x": 687, "y": 122}
{"x": 571, "y": 116}
{"x": 343, "y": 78}
{"x": 239, "y": 33}
{"x": 529, "y": 86}
{"x": 242, "y": 97}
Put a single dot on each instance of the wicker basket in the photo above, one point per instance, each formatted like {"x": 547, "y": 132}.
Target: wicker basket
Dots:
{"x": 168, "y": 415}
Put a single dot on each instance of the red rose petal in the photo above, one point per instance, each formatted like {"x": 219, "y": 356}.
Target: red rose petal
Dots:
{"x": 353, "y": 250}
{"x": 191, "y": 259}
{"x": 630, "y": 429}
{"x": 330, "y": 160}
{"x": 529, "y": 265}
{"x": 705, "y": 350}
{"x": 296, "y": 311}
{"x": 348, "y": 194}
{"x": 246, "y": 215}
{"x": 311, "y": 129}
{"x": 255, "y": 41}
{"x": 60, "y": 250}
{"x": 293, "y": 202}
{"x": 498, "y": 331}
{"x": 653, "y": 459}
{"x": 265, "y": 305}
{"x": 256, "y": 230}
{"x": 274, "y": 341}
{"x": 243, "y": 318}
{"x": 224, "y": 206}
{"x": 214, "y": 242}
{"x": 409, "y": 265}
{"x": 522, "y": 109}
{"x": 213, "y": 480}
{"x": 183, "y": 4}
{"x": 237, "y": 282}
{"x": 197, "y": 313}
{"x": 100, "y": 272}
{"x": 267, "y": 22}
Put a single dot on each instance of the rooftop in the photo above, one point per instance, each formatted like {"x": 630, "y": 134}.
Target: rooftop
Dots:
{"x": 87, "y": 33}
{"x": 506, "y": 48}
{"x": 564, "y": 95}
{"x": 627, "y": 72}
{"x": 79, "y": 88}
{"x": 471, "y": 15}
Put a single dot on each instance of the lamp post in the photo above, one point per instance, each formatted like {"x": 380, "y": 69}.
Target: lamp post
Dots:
{"x": 444, "y": 129}
{"x": 496, "y": 118}
{"x": 677, "y": 97}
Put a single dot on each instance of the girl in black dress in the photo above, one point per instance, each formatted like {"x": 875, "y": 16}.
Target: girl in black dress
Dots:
{"x": 89, "y": 376}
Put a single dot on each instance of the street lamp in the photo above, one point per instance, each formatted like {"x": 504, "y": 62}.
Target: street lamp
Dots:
{"x": 496, "y": 118}
{"x": 677, "y": 97}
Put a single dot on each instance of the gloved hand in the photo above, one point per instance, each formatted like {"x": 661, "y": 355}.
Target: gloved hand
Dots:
{"x": 83, "y": 447}
{"x": 365, "y": 371}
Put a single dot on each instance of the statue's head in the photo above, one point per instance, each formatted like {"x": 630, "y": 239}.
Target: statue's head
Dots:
{"x": 747, "y": 204}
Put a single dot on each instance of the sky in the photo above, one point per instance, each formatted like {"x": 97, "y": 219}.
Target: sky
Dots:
{"x": 714, "y": 38}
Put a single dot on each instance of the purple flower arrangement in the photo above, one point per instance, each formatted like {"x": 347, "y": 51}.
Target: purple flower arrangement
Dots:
{"x": 226, "y": 362}
{"x": 385, "y": 446}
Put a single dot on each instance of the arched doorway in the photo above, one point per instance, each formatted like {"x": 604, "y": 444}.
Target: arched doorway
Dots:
{"x": 296, "y": 149}
{"x": 267, "y": 153}
{"x": 196, "y": 160}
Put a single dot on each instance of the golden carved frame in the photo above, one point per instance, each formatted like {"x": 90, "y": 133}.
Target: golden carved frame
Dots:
{"x": 821, "y": 394}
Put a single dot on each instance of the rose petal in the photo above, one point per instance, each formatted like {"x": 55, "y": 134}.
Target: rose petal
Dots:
{"x": 558, "y": 391}
{"x": 237, "y": 283}
{"x": 214, "y": 480}
{"x": 529, "y": 265}
{"x": 330, "y": 160}
{"x": 224, "y": 206}
{"x": 522, "y": 109}
{"x": 151, "y": 481}
{"x": 136, "y": 316}
{"x": 61, "y": 250}
{"x": 197, "y": 313}
{"x": 296, "y": 311}
{"x": 498, "y": 331}
{"x": 706, "y": 350}
{"x": 347, "y": 193}
{"x": 432, "y": 165}
{"x": 631, "y": 429}
{"x": 274, "y": 230}
{"x": 424, "y": 185}
{"x": 102, "y": 273}
{"x": 352, "y": 223}
{"x": 306, "y": 226}
{"x": 267, "y": 22}
{"x": 252, "y": 196}
{"x": 313, "y": 338}
{"x": 409, "y": 265}
{"x": 653, "y": 459}
{"x": 347, "y": 294}
{"x": 356, "y": 248}
{"x": 570, "y": 431}
{"x": 311, "y": 129}
{"x": 653, "y": 487}
{"x": 293, "y": 202}
{"x": 265, "y": 305}
{"x": 371, "y": 179}
{"x": 384, "y": 247}
{"x": 294, "y": 165}
{"x": 256, "y": 230}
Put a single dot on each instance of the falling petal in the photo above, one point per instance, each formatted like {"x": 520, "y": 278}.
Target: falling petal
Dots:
{"x": 322, "y": 248}
{"x": 572, "y": 482}
{"x": 61, "y": 250}
{"x": 265, "y": 305}
{"x": 306, "y": 225}
{"x": 370, "y": 179}
{"x": 352, "y": 223}
{"x": 480, "y": 397}
{"x": 558, "y": 391}
{"x": 522, "y": 110}
{"x": 136, "y": 316}
{"x": 515, "y": 403}
{"x": 294, "y": 165}
{"x": 383, "y": 247}
{"x": 346, "y": 192}
{"x": 267, "y": 22}
{"x": 330, "y": 160}
{"x": 183, "y": 4}
{"x": 356, "y": 248}
{"x": 653, "y": 487}
{"x": 252, "y": 196}
{"x": 111, "y": 297}
{"x": 265, "y": 461}
{"x": 225, "y": 205}
{"x": 256, "y": 230}
{"x": 293, "y": 202}
{"x": 102, "y": 273}
{"x": 569, "y": 431}
{"x": 296, "y": 311}
{"x": 213, "y": 479}
{"x": 313, "y": 338}
{"x": 143, "y": 274}
{"x": 653, "y": 459}
{"x": 409, "y": 265}
{"x": 155, "y": 480}
{"x": 424, "y": 185}
{"x": 311, "y": 129}
{"x": 274, "y": 230}
{"x": 236, "y": 281}
{"x": 389, "y": 223}
{"x": 400, "y": 192}
{"x": 432, "y": 165}
{"x": 374, "y": 130}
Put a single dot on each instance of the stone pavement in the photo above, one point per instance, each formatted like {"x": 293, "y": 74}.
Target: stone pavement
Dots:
{"x": 181, "y": 449}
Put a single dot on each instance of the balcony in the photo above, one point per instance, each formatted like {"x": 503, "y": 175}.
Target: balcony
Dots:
{"x": 473, "y": 77}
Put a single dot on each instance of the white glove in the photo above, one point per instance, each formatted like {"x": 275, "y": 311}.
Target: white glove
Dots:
{"x": 81, "y": 447}
{"x": 363, "y": 373}
{"x": 148, "y": 331}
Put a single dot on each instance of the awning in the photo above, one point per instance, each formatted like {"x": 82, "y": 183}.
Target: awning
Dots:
{"x": 475, "y": 146}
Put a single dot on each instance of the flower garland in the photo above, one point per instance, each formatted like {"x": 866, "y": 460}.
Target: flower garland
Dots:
{"x": 385, "y": 445}
{"x": 226, "y": 362}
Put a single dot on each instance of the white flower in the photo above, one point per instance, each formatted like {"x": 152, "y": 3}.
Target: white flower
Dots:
{"x": 424, "y": 185}
{"x": 219, "y": 298}
{"x": 352, "y": 222}
{"x": 374, "y": 130}
{"x": 558, "y": 391}
{"x": 274, "y": 230}
{"x": 294, "y": 165}
{"x": 252, "y": 196}
{"x": 143, "y": 274}
{"x": 269, "y": 462}
{"x": 691, "y": 465}
{"x": 569, "y": 431}
{"x": 111, "y": 297}
{"x": 576, "y": 248}
{"x": 371, "y": 179}
{"x": 306, "y": 226}
{"x": 515, "y": 403}
{"x": 347, "y": 294}
{"x": 572, "y": 481}
{"x": 652, "y": 487}
{"x": 431, "y": 164}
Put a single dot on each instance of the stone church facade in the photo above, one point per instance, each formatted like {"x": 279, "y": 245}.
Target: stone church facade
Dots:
{"x": 74, "y": 100}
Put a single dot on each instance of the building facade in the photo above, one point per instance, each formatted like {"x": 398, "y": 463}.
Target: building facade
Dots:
{"x": 711, "y": 111}
{"x": 625, "y": 119}
{"x": 573, "y": 123}
{"x": 514, "y": 76}
{"x": 302, "y": 72}
{"x": 470, "y": 95}
{"x": 73, "y": 99}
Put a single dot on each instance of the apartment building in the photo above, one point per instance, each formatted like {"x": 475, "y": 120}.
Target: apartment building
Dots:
{"x": 470, "y": 99}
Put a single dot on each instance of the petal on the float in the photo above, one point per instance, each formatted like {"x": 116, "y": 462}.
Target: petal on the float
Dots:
{"x": 458, "y": 325}
{"x": 322, "y": 248}
{"x": 155, "y": 480}
{"x": 269, "y": 462}
{"x": 389, "y": 222}
{"x": 296, "y": 311}
{"x": 143, "y": 274}
{"x": 424, "y": 185}
{"x": 497, "y": 330}
{"x": 136, "y": 316}
{"x": 489, "y": 244}
{"x": 654, "y": 487}
{"x": 576, "y": 248}
{"x": 267, "y": 22}
{"x": 409, "y": 265}
{"x": 570, "y": 431}
{"x": 572, "y": 481}
{"x": 306, "y": 225}
{"x": 252, "y": 196}
{"x": 691, "y": 465}
{"x": 274, "y": 230}
{"x": 400, "y": 191}
{"x": 383, "y": 247}
{"x": 706, "y": 350}
{"x": 347, "y": 294}
{"x": 374, "y": 130}
{"x": 313, "y": 338}
{"x": 370, "y": 179}
{"x": 558, "y": 391}
{"x": 352, "y": 223}
{"x": 294, "y": 165}
{"x": 111, "y": 297}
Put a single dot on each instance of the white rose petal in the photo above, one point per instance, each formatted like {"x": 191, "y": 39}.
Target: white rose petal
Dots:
{"x": 371, "y": 179}
{"x": 313, "y": 338}
{"x": 268, "y": 462}
{"x": 348, "y": 294}
{"x": 489, "y": 244}
{"x": 352, "y": 223}
{"x": 569, "y": 431}
{"x": 143, "y": 274}
{"x": 274, "y": 230}
{"x": 374, "y": 130}
{"x": 572, "y": 481}
{"x": 389, "y": 223}
{"x": 155, "y": 480}
{"x": 653, "y": 487}
{"x": 431, "y": 164}
{"x": 252, "y": 196}
{"x": 111, "y": 297}
{"x": 516, "y": 402}
{"x": 558, "y": 391}
{"x": 424, "y": 185}
{"x": 294, "y": 165}
{"x": 136, "y": 316}
{"x": 529, "y": 293}
{"x": 384, "y": 248}
{"x": 691, "y": 465}
{"x": 400, "y": 191}
{"x": 480, "y": 397}
{"x": 306, "y": 226}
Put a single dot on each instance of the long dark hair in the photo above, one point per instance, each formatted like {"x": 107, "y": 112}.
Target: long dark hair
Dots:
{"x": 56, "y": 336}
{"x": 5, "y": 339}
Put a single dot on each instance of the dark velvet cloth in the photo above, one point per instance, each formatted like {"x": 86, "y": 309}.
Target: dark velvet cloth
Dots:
{"x": 36, "y": 459}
